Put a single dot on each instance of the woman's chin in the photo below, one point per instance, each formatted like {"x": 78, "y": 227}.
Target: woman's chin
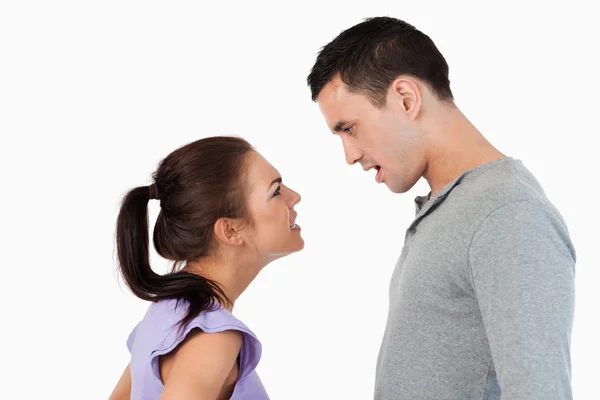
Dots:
{"x": 294, "y": 247}
{"x": 298, "y": 243}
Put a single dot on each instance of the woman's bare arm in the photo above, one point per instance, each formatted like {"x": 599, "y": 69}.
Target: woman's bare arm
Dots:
{"x": 123, "y": 389}
{"x": 201, "y": 365}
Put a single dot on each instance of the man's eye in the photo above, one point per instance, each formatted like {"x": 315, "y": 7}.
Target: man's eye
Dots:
{"x": 348, "y": 129}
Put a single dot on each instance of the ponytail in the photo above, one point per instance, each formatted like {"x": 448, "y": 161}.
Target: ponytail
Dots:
{"x": 134, "y": 262}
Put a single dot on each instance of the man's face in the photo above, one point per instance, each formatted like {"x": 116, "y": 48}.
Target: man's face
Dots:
{"x": 385, "y": 139}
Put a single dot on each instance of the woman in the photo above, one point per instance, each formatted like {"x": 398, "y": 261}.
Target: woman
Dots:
{"x": 225, "y": 215}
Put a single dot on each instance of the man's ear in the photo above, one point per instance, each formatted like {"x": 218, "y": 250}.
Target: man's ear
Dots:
{"x": 406, "y": 95}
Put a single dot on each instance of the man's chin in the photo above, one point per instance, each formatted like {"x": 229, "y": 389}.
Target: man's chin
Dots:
{"x": 397, "y": 187}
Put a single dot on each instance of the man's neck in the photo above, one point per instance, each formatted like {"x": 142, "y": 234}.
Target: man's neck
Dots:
{"x": 455, "y": 146}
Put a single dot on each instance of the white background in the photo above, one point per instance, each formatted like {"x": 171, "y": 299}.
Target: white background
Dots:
{"x": 94, "y": 93}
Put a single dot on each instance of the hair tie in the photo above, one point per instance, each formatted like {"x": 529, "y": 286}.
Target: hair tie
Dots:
{"x": 153, "y": 190}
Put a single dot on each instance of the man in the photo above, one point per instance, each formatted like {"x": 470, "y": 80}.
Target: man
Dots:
{"x": 482, "y": 296}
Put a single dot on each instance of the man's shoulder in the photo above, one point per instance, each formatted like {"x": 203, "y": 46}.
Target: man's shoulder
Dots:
{"x": 499, "y": 188}
{"x": 504, "y": 184}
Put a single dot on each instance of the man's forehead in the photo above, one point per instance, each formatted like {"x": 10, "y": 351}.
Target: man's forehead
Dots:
{"x": 332, "y": 99}
{"x": 334, "y": 89}
{"x": 335, "y": 106}
{"x": 336, "y": 82}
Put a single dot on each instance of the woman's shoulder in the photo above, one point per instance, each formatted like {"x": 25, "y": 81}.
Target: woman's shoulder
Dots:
{"x": 160, "y": 332}
{"x": 215, "y": 320}
{"x": 169, "y": 313}
{"x": 163, "y": 319}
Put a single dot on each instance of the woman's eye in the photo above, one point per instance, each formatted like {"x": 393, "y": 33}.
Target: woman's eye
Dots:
{"x": 277, "y": 192}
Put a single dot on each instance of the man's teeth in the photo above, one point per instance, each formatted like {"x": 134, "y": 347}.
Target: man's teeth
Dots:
{"x": 293, "y": 225}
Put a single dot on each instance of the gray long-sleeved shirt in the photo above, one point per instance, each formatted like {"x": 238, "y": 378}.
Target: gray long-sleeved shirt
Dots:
{"x": 482, "y": 296}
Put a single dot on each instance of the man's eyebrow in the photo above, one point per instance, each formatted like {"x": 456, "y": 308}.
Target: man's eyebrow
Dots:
{"x": 339, "y": 126}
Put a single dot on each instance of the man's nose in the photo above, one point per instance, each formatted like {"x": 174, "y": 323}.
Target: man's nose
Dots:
{"x": 353, "y": 155}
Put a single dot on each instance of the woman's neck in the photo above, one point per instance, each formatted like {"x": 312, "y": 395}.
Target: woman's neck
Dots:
{"x": 232, "y": 274}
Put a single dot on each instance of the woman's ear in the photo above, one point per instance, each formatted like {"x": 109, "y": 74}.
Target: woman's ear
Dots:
{"x": 229, "y": 231}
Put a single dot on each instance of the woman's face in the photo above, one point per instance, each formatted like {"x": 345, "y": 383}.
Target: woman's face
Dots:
{"x": 271, "y": 209}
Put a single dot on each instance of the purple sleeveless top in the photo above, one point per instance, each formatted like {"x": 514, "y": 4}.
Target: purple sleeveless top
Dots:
{"x": 158, "y": 333}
